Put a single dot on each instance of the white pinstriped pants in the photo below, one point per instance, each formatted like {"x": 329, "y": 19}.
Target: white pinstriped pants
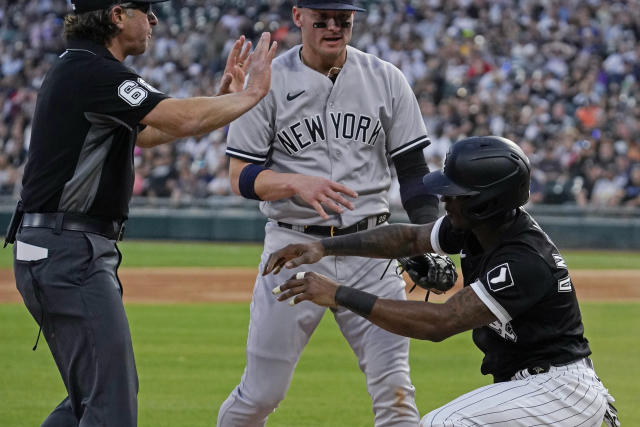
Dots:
{"x": 570, "y": 395}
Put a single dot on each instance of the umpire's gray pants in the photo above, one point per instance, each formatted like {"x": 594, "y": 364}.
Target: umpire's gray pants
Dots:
{"x": 70, "y": 286}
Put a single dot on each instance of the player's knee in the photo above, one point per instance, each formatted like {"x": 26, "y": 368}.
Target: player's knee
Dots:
{"x": 265, "y": 399}
{"x": 440, "y": 418}
{"x": 392, "y": 390}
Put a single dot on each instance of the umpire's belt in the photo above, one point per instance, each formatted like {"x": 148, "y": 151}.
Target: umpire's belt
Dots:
{"x": 330, "y": 231}
{"x": 112, "y": 230}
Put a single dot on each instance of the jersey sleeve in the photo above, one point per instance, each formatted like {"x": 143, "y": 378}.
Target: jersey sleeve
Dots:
{"x": 513, "y": 281}
{"x": 407, "y": 130}
{"x": 251, "y": 134}
{"x": 123, "y": 94}
{"x": 444, "y": 239}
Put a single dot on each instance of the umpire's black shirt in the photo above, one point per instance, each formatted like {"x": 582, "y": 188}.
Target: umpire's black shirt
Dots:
{"x": 84, "y": 130}
{"x": 525, "y": 283}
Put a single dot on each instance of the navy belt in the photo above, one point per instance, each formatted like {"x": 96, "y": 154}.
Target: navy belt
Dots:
{"x": 58, "y": 221}
{"x": 330, "y": 231}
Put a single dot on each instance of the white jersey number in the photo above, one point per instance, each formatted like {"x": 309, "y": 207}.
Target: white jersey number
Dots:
{"x": 132, "y": 93}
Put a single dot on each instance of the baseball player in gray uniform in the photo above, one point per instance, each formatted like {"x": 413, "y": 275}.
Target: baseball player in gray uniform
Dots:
{"x": 316, "y": 152}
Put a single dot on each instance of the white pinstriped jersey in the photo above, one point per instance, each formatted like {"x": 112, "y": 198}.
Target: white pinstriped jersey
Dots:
{"x": 344, "y": 131}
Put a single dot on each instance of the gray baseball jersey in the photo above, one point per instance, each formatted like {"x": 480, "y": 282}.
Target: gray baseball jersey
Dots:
{"x": 309, "y": 125}
{"x": 344, "y": 131}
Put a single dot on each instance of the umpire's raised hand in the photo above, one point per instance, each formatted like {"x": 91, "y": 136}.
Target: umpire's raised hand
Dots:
{"x": 260, "y": 65}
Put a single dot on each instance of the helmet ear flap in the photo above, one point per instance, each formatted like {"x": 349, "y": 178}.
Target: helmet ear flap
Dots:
{"x": 483, "y": 210}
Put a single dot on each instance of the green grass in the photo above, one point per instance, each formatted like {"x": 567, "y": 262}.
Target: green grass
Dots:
{"x": 177, "y": 254}
{"x": 190, "y": 356}
{"x": 207, "y": 254}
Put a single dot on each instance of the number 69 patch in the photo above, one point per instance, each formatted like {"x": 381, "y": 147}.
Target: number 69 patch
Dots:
{"x": 132, "y": 93}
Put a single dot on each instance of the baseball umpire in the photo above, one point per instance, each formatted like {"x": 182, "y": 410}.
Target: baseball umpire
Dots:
{"x": 316, "y": 152}
{"x": 517, "y": 297}
{"x": 90, "y": 111}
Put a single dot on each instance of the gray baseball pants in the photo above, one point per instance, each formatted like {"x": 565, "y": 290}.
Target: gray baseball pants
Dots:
{"x": 69, "y": 283}
{"x": 278, "y": 333}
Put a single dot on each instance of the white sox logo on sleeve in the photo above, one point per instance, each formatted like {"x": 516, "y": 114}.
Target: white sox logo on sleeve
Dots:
{"x": 499, "y": 277}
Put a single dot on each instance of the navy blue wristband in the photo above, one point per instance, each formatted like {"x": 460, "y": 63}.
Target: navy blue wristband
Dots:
{"x": 247, "y": 180}
{"x": 359, "y": 302}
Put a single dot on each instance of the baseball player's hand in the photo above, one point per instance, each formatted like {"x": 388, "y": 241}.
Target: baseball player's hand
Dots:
{"x": 260, "y": 66}
{"x": 292, "y": 256}
{"x": 236, "y": 68}
{"x": 308, "y": 286}
{"x": 319, "y": 191}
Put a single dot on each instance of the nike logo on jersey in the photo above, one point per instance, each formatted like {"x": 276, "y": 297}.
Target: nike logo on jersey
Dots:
{"x": 500, "y": 278}
{"x": 292, "y": 97}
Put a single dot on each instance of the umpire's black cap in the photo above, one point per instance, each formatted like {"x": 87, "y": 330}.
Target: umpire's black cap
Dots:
{"x": 81, "y": 6}
{"x": 330, "y": 5}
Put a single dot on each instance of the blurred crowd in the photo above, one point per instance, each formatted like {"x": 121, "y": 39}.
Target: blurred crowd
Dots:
{"x": 558, "y": 77}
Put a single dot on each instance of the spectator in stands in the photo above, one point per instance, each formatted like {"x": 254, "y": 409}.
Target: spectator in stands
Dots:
{"x": 630, "y": 194}
{"x": 552, "y": 74}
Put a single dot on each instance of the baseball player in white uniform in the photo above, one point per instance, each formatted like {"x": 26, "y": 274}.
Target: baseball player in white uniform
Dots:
{"x": 316, "y": 152}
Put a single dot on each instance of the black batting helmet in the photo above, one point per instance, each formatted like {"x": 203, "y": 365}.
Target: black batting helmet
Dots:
{"x": 492, "y": 171}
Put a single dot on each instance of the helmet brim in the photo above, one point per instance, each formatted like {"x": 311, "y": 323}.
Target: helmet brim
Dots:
{"x": 438, "y": 183}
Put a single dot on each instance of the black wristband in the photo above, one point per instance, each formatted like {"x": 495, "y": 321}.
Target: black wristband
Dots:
{"x": 247, "y": 180}
{"x": 359, "y": 302}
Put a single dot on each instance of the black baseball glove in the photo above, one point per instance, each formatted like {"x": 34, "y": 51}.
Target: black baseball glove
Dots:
{"x": 432, "y": 272}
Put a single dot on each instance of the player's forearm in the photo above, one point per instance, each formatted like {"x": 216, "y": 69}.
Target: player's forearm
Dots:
{"x": 413, "y": 319}
{"x": 270, "y": 185}
{"x": 150, "y": 137}
{"x": 434, "y": 322}
{"x": 389, "y": 241}
{"x": 200, "y": 115}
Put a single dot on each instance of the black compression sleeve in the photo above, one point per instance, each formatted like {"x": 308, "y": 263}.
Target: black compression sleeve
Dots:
{"x": 359, "y": 302}
{"x": 420, "y": 205}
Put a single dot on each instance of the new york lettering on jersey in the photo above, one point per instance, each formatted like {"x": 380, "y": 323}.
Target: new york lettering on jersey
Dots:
{"x": 345, "y": 127}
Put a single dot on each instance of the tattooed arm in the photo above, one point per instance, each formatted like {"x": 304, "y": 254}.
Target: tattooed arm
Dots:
{"x": 425, "y": 321}
{"x": 434, "y": 322}
{"x": 389, "y": 241}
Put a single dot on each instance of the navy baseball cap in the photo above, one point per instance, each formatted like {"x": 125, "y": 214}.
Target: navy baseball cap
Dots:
{"x": 81, "y": 6}
{"x": 330, "y": 5}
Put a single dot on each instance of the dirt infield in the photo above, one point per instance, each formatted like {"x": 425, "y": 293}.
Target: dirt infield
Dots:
{"x": 167, "y": 285}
